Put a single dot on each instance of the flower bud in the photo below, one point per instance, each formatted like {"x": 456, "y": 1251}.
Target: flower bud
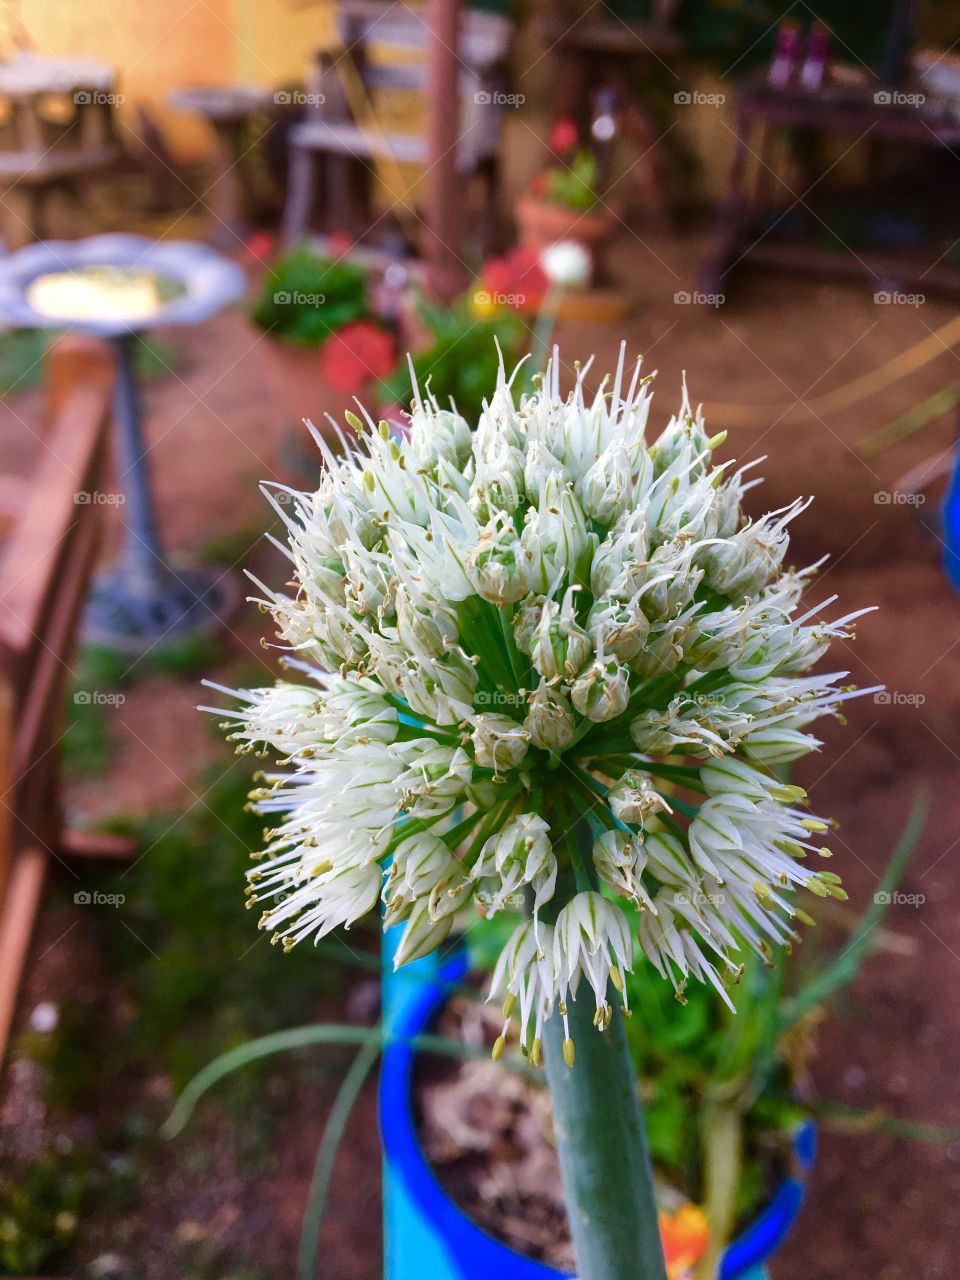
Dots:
{"x": 425, "y": 633}
{"x": 422, "y": 934}
{"x": 620, "y": 859}
{"x": 607, "y": 487}
{"x": 550, "y": 722}
{"x": 435, "y": 781}
{"x": 499, "y": 565}
{"x": 440, "y": 433}
{"x": 556, "y": 538}
{"x": 522, "y": 853}
{"x": 602, "y": 692}
{"x": 498, "y": 742}
{"x": 560, "y": 647}
{"x": 617, "y": 628}
{"x": 540, "y": 467}
{"x": 634, "y": 798}
{"x": 420, "y": 862}
{"x": 498, "y": 485}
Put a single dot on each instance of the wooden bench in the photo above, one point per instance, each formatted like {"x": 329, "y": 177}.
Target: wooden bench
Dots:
{"x": 350, "y": 147}
{"x": 46, "y": 562}
{"x": 57, "y": 131}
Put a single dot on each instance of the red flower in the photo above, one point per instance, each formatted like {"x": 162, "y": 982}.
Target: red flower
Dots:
{"x": 564, "y": 136}
{"x": 357, "y": 353}
{"x": 517, "y": 280}
{"x": 339, "y": 244}
{"x": 259, "y": 246}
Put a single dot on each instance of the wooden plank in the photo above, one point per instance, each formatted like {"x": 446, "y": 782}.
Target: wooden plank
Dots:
{"x": 69, "y": 469}
{"x": 353, "y": 140}
{"x": 44, "y": 575}
{"x": 7, "y": 782}
{"x": 18, "y": 912}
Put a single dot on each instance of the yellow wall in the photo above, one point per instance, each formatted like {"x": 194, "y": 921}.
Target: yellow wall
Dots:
{"x": 159, "y": 45}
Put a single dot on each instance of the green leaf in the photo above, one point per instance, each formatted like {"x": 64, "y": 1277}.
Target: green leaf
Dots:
{"x": 333, "y": 1133}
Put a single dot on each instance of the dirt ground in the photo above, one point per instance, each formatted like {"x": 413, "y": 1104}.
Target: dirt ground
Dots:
{"x": 879, "y": 1208}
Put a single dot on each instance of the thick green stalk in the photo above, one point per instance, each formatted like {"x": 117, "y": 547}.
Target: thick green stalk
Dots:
{"x": 602, "y": 1144}
{"x": 601, "y": 1139}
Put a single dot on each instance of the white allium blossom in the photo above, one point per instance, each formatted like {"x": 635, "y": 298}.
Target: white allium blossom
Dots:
{"x": 545, "y": 665}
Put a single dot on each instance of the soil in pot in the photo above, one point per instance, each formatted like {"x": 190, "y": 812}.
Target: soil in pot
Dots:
{"x": 487, "y": 1133}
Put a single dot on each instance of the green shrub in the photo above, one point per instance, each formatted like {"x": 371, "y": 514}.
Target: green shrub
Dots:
{"x": 305, "y": 298}
{"x": 461, "y": 362}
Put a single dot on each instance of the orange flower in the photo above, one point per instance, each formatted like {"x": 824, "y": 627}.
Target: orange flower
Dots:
{"x": 685, "y": 1237}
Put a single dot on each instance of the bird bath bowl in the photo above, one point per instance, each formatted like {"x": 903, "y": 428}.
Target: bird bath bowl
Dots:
{"x": 117, "y": 287}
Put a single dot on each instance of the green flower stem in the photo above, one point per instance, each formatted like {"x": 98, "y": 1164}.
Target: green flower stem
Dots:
{"x": 684, "y": 775}
{"x": 602, "y": 1143}
{"x": 520, "y": 669}
{"x": 578, "y": 839}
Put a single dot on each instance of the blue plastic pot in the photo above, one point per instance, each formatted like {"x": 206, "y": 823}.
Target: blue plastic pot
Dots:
{"x": 426, "y": 1234}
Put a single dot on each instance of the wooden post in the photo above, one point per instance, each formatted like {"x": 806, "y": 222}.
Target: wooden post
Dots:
{"x": 446, "y": 275}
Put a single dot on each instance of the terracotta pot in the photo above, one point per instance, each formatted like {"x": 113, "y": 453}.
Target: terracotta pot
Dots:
{"x": 541, "y": 223}
{"x": 299, "y": 390}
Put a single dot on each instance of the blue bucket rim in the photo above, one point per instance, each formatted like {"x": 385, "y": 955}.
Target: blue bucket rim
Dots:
{"x": 466, "y": 1239}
